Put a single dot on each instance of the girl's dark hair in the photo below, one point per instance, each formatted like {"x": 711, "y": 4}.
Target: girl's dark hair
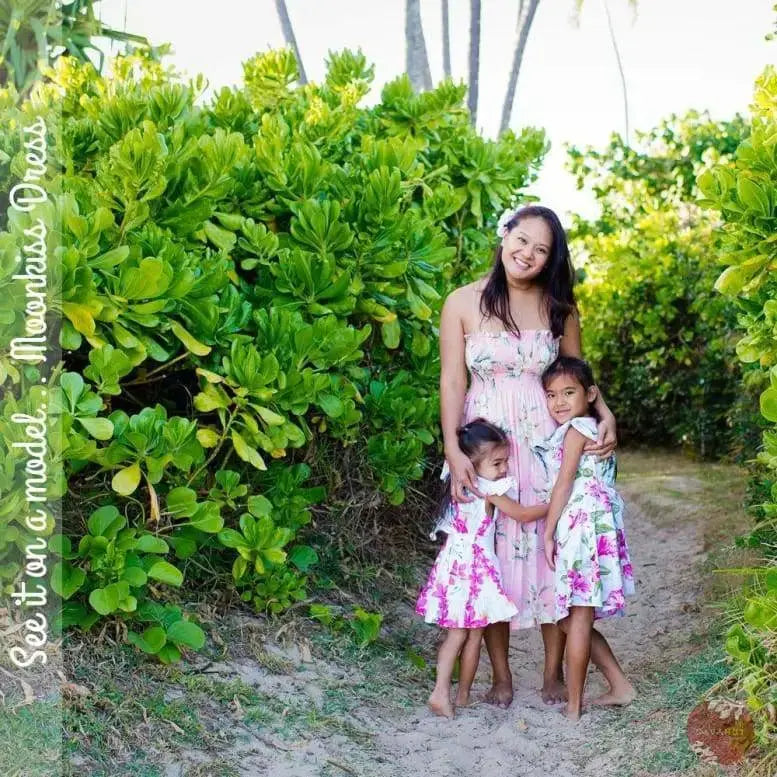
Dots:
{"x": 575, "y": 368}
{"x": 557, "y": 277}
{"x": 473, "y": 437}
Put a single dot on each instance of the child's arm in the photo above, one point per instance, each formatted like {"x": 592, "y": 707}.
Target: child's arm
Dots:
{"x": 562, "y": 489}
{"x": 517, "y": 511}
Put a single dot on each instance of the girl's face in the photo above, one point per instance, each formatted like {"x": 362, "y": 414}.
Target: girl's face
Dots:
{"x": 567, "y": 398}
{"x": 526, "y": 249}
{"x": 492, "y": 464}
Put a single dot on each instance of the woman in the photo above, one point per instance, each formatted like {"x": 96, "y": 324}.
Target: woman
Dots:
{"x": 503, "y": 330}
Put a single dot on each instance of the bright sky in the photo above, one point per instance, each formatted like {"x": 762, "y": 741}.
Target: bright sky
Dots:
{"x": 677, "y": 55}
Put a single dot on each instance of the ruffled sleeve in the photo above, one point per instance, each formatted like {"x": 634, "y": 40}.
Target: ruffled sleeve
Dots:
{"x": 495, "y": 487}
{"x": 586, "y": 426}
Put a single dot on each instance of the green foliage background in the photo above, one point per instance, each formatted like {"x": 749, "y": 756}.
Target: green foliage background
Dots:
{"x": 248, "y": 293}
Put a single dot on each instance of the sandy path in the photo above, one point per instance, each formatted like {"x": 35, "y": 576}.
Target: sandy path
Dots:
{"x": 667, "y": 511}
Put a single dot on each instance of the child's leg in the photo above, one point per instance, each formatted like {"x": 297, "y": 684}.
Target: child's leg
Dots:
{"x": 470, "y": 657}
{"x": 579, "y": 624}
{"x": 440, "y": 700}
{"x": 553, "y": 639}
{"x": 621, "y": 690}
{"x": 497, "y": 637}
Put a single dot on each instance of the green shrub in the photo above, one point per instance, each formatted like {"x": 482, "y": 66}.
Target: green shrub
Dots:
{"x": 746, "y": 195}
{"x": 657, "y": 333}
{"x": 243, "y": 285}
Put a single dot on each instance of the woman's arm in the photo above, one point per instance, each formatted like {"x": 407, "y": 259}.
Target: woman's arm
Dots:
{"x": 571, "y": 345}
{"x": 562, "y": 489}
{"x": 513, "y": 509}
{"x": 453, "y": 389}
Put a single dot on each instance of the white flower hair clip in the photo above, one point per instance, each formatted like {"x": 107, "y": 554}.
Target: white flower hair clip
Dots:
{"x": 501, "y": 225}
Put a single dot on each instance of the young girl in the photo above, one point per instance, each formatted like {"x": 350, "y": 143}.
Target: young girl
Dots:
{"x": 584, "y": 539}
{"x": 464, "y": 591}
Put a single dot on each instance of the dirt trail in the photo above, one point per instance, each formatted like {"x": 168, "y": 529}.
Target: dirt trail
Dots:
{"x": 359, "y": 723}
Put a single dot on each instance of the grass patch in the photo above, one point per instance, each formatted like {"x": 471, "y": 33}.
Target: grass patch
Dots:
{"x": 30, "y": 739}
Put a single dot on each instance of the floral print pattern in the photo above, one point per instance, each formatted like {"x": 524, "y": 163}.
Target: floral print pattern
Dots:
{"x": 593, "y": 568}
{"x": 464, "y": 588}
{"x": 505, "y": 388}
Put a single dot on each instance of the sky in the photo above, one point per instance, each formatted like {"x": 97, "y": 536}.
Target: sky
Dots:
{"x": 677, "y": 55}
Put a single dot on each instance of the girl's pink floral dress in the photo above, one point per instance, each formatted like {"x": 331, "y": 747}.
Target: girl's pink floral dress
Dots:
{"x": 593, "y": 568}
{"x": 505, "y": 389}
{"x": 464, "y": 589}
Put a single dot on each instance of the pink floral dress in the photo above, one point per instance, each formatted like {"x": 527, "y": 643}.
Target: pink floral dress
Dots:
{"x": 464, "y": 588}
{"x": 593, "y": 568}
{"x": 505, "y": 389}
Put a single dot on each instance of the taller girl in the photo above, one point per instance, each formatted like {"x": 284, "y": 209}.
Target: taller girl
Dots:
{"x": 502, "y": 331}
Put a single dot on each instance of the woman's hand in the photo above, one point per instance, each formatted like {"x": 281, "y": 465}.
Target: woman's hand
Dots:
{"x": 463, "y": 476}
{"x": 607, "y": 439}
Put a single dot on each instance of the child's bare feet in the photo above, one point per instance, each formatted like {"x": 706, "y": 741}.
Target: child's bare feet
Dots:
{"x": 462, "y": 699}
{"x": 500, "y": 694}
{"x": 553, "y": 691}
{"x": 617, "y": 697}
{"x": 571, "y": 714}
{"x": 440, "y": 704}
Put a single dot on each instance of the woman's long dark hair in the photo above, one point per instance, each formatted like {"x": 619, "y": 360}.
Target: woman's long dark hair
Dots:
{"x": 557, "y": 277}
{"x": 473, "y": 437}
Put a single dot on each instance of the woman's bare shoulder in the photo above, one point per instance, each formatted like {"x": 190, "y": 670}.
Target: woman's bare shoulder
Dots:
{"x": 465, "y": 297}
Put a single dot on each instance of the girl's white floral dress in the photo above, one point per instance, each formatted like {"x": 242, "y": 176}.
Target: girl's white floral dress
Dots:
{"x": 464, "y": 588}
{"x": 593, "y": 568}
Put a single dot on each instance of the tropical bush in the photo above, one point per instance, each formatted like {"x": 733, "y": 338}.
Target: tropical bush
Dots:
{"x": 248, "y": 291}
{"x": 655, "y": 330}
{"x": 746, "y": 195}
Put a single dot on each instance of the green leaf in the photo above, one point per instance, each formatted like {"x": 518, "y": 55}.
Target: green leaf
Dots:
{"x": 390, "y": 334}
{"x": 135, "y": 576}
{"x": 182, "y": 502}
{"x": 126, "y": 480}
{"x": 769, "y": 404}
{"x": 104, "y": 600}
{"x": 303, "y": 557}
{"x": 66, "y": 579}
{"x": 246, "y": 452}
{"x": 99, "y": 428}
{"x": 150, "y": 543}
{"x": 259, "y": 505}
{"x": 191, "y": 343}
{"x": 186, "y": 633}
{"x": 166, "y": 573}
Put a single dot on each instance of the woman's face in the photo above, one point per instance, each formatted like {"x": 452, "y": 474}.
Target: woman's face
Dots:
{"x": 526, "y": 249}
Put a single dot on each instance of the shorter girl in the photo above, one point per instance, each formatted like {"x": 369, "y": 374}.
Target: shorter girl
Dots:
{"x": 585, "y": 519}
{"x": 464, "y": 591}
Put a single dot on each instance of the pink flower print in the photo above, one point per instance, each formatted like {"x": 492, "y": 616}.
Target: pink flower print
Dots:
{"x": 600, "y": 494}
{"x": 458, "y": 569}
{"x": 605, "y": 546}
{"x": 627, "y": 571}
{"x": 622, "y": 552}
{"x": 615, "y": 601}
{"x": 459, "y": 524}
{"x": 595, "y": 572}
{"x": 576, "y": 518}
{"x": 577, "y": 582}
{"x": 562, "y": 602}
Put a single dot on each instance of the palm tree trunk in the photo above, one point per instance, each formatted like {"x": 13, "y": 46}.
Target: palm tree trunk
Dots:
{"x": 288, "y": 36}
{"x": 474, "y": 59}
{"x": 620, "y": 69}
{"x": 416, "y": 58}
{"x": 446, "y": 40}
{"x": 522, "y": 32}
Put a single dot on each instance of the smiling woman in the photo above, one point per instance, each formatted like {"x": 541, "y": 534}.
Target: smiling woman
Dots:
{"x": 502, "y": 331}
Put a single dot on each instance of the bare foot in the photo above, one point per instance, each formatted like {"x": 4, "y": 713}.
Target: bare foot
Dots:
{"x": 440, "y": 704}
{"x": 618, "y": 697}
{"x": 461, "y": 700}
{"x": 500, "y": 694}
{"x": 553, "y": 691}
{"x": 570, "y": 714}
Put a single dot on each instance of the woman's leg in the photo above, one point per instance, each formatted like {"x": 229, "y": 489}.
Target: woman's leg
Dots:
{"x": 579, "y": 624}
{"x": 470, "y": 657}
{"x": 440, "y": 700}
{"x": 621, "y": 690}
{"x": 497, "y": 637}
{"x": 553, "y": 639}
